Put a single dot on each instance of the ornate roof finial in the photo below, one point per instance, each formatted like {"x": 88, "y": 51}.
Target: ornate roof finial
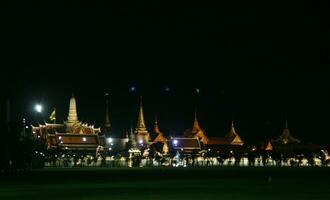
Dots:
{"x": 286, "y": 122}
{"x": 141, "y": 124}
{"x": 107, "y": 123}
{"x": 156, "y": 128}
{"x": 196, "y": 126}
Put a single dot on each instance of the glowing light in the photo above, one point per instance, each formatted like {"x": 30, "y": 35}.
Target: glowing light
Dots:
{"x": 60, "y": 137}
{"x": 197, "y": 90}
{"x": 38, "y": 108}
{"x": 26, "y": 127}
{"x": 110, "y": 149}
{"x": 110, "y": 140}
{"x": 84, "y": 139}
{"x": 209, "y": 149}
{"x": 140, "y": 141}
{"x": 175, "y": 142}
{"x": 38, "y": 136}
{"x": 132, "y": 88}
{"x": 167, "y": 89}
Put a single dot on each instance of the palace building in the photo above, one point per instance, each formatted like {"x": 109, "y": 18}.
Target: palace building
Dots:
{"x": 71, "y": 135}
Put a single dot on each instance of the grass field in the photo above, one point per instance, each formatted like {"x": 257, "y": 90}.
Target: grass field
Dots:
{"x": 168, "y": 183}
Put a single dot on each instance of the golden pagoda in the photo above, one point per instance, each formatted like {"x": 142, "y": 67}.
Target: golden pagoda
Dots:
{"x": 196, "y": 131}
{"x": 160, "y": 136}
{"x": 72, "y": 119}
{"x": 141, "y": 133}
{"x": 232, "y": 136}
{"x": 286, "y": 136}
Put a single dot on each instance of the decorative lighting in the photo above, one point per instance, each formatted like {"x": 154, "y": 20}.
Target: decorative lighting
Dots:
{"x": 84, "y": 139}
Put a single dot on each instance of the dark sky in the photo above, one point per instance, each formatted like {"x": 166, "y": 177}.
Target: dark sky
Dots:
{"x": 254, "y": 62}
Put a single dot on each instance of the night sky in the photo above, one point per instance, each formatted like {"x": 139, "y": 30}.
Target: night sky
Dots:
{"x": 252, "y": 62}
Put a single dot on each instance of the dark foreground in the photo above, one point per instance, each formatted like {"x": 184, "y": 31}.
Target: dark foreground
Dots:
{"x": 168, "y": 183}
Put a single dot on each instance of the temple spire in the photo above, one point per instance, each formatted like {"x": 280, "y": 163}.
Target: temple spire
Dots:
{"x": 141, "y": 124}
{"x": 286, "y": 122}
{"x": 156, "y": 127}
{"x": 142, "y": 134}
{"x": 196, "y": 126}
{"x": 107, "y": 123}
{"x": 72, "y": 115}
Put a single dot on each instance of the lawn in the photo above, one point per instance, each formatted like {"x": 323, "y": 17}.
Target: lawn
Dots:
{"x": 168, "y": 183}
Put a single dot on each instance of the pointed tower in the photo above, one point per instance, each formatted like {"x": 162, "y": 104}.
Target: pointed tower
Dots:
{"x": 232, "y": 137}
{"x": 196, "y": 131}
{"x": 196, "y": 128}
{"x": 72, "y": 115}
{"x": 160, "y": 136}
{"x": 156, "y": 127}
{"x": 286, "y": 137}
{"x": 141, "y": 131}
{"x": 269, "y": 146}
{"x": 107, "y": 124}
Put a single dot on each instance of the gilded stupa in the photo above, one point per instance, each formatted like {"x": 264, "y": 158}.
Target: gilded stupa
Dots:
{"x": 141, "y": 133}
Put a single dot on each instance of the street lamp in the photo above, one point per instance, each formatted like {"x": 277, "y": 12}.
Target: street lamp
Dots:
{"x": 38, "y": 108}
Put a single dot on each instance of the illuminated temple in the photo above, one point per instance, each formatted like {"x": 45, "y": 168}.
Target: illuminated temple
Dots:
{"x": 231, "y": 138}
{"x": 75, "y": 135}
{"x": 71, "y": 135}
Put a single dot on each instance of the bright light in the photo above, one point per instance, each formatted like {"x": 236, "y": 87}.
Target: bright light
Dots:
{"x": 209, "y": 149}
{"x": 110, "y": 140}
{"x": 84, "y": 139}
{"x": 38, "y": 136}
{"x": 175, "y": 142}
{"x": 140, "y": 141}
{"x": 38, "y": 108}
{"x": 132, "y": 88}
{"x": 60, "y": 137}
{"x": 26, "y": 127}
{"x": 110, "y": 149}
